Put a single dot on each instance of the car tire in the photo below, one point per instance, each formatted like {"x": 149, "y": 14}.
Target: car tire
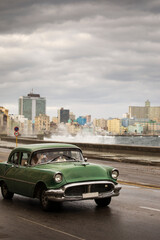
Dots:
{"x": 45, "y": 203}
{"x": 5, "y": 192}
{"x": 103, "y": 202}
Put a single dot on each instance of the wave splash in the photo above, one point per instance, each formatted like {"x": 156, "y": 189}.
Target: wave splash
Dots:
{"x": 121, "y": 140}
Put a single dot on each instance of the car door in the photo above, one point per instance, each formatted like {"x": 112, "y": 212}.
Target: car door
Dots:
{"x": 22, "y": 182}
{"x": 10, "y": 170}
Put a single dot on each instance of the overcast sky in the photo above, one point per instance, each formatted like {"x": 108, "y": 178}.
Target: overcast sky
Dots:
{"x": 90, "y": 56}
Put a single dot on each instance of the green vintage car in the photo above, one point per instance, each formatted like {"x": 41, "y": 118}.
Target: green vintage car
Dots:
{"x": 56, "y": 173}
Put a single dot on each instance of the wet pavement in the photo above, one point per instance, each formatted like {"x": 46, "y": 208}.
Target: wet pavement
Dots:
{"x": 133, "y": 215}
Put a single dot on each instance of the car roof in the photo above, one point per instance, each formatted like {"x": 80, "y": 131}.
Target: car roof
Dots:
{"x": 43, "y": 146}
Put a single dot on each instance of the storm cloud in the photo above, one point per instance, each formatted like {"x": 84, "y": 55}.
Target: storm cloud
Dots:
{"x": 93, "y": 57}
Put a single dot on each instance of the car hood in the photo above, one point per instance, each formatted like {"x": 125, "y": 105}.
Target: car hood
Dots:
{"x": 77, "y": 171}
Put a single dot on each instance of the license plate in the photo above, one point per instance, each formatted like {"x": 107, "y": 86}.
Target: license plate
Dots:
{"x": 90, "y": 195}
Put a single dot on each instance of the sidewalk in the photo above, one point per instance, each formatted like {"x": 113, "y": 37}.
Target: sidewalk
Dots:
{"x": 126, "y": 158}
{"x": 10, "y": 145}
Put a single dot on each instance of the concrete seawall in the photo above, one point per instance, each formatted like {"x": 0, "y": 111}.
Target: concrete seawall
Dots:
{"x": 101, "y": 148}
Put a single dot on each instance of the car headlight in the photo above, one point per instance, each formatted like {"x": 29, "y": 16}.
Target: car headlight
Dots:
{"x": 115, "y": 174}
{"x": 58, "y": 177}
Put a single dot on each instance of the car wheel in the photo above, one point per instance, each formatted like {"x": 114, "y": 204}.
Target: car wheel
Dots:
{"x": 103, "y": 202}
{"x": 45, "y": 203}
{"x": 5, "y": 193}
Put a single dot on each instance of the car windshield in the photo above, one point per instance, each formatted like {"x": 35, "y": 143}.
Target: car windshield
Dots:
{"x": 56, "y": 155}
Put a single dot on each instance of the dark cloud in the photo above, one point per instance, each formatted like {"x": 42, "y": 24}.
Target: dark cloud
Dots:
{"x": 26, "y": 16}
{"x": 94, "y": 57}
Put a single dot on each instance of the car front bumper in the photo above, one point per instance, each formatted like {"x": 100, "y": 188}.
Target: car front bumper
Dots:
{"x": 84, "y": 190}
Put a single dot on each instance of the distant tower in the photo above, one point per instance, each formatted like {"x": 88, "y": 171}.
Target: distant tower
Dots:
{"x": 63, "y": 115}
{"x": 32, "y": 105}
{"x": 147, "y": 103}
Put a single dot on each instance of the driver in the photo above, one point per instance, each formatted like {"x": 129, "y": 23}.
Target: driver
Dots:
{"x": 35, "y": 160}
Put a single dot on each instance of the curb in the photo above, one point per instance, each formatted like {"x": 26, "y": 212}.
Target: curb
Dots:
{"x": 123, "y": 159}
{"x": 7, "y": 147}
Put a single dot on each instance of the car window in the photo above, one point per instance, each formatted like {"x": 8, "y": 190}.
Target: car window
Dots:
{"x": 44, "y": 156}
{"x": 76, "y": 154}
{"x": 24, "y": 158}
{"x": 14, "y": 159}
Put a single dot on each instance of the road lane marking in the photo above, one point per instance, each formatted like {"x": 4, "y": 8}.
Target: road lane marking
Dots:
{"x": 52, "y": 229}
{"x": 152, "y": 209}
{"x": 138, "y": 184}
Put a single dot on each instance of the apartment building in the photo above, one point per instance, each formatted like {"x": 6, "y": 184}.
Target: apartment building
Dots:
{"x": 42, "y": 123}
{"x": 114, "y": 126}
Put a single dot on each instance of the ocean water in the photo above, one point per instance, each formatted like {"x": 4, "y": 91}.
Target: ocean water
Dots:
{"x": 122, "y": 140}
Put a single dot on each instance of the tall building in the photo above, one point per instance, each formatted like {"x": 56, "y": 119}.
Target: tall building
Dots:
{"x": 146, "y": 112}
{"x": 31, "y": 106}
{"x": 63, "y": 115}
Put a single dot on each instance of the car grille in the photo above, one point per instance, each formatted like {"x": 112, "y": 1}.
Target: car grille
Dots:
{"x": 88, "y": 188}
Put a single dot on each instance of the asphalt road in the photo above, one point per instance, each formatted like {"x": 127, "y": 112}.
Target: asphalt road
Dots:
{"x": 135, "y": 214}
{"x": 129, "y": 172}
{"x": 134, "y": 173}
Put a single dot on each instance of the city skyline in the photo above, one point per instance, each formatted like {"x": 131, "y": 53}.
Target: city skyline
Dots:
{"x": 32, "y": 109}
{"x": 92, "y": 57}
